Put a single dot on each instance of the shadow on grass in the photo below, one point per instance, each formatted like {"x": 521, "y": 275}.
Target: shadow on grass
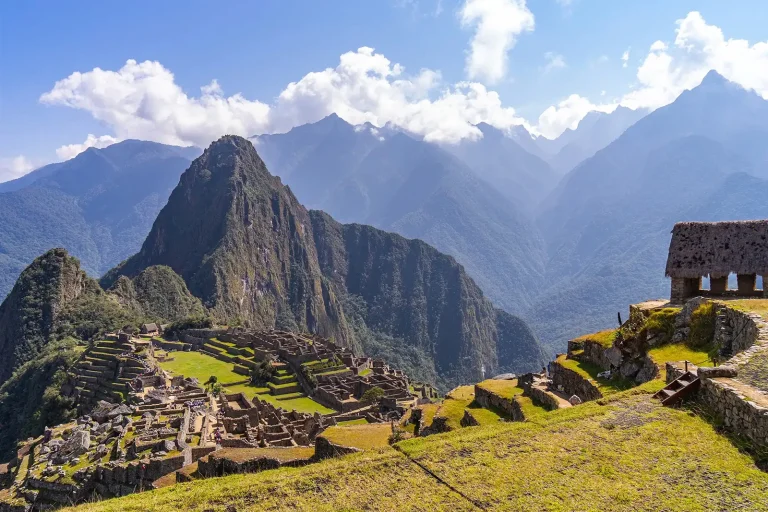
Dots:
{"x": 759, "y": 454}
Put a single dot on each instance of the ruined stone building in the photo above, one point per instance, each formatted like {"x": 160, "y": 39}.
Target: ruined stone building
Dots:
{"x": 715, "y": 250}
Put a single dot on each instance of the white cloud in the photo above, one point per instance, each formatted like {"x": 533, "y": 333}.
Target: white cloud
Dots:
{"x": 14, "y": 167}
{"x": 72, "y": 150}
{"x": 497, "y": 24}
{"x": 567, "y": 114}
{"x": 670, "y": 69}
{"x": 698, "y": 48}
{"x": 142, "y": 100}
{"x": 554, "y": 61}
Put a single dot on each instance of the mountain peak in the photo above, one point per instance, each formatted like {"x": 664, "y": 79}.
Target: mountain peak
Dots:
{"x": 713, "y": 78}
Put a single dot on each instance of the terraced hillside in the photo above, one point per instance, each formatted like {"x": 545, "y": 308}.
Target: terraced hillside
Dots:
{"x": 625, "y": 452}
{"x": 213, "y": 360}
{"x": 104, "y": 373}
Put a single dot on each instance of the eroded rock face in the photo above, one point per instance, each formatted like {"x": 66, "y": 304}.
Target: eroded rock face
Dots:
{"x": 77, "y": 444}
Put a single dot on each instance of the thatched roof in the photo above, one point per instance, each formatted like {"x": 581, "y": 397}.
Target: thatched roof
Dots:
{"x": 718, "y": 248}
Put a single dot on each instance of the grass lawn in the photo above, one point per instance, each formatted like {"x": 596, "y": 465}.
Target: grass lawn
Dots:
{"x": 605, "y": 338}
{"x": 201, "y": 366}
{"x": 678, "y": 352}
{"x": 365, "y": 437}
{"x": 281, "y": 454}
{"x": 623, "y": 453}
{"x": 359, "y": 421}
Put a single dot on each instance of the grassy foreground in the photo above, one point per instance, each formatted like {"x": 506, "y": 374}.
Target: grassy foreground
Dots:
{"x": 621, "y": 453}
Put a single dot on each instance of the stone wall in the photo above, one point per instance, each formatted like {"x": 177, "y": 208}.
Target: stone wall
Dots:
{"x": 735, "y": 331}
{"x": 509, "y": 406}
{"x": 541, "y": 397}
{"x": 738, "y": 414}
{"x": 573, "y": 383}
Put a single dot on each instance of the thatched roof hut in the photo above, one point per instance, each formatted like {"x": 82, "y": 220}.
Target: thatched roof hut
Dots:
{"x": 718, "y": 248}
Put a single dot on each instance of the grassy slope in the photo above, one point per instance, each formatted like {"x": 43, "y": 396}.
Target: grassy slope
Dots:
{"x": 625, "y": 453}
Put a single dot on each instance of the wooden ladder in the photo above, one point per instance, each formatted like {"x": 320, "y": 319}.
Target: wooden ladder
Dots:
{"x": 679, "y": 388}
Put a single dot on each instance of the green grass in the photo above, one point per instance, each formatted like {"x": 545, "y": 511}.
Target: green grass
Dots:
{"x": 201, "y": 366}
{"x": 623, "y": 453}
{"x": 359, "y": 421}
{"x": 590, "y": 371}
{"x": 605, "y": 338}
{"x": 678, "y": 352}
{"x": 365, "y": 372}
{"x": 484, "y": 416}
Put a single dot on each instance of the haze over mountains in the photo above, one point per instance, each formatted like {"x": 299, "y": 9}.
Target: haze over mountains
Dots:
{"x": 566, "y": 248}
{"x": 99, "y": 205}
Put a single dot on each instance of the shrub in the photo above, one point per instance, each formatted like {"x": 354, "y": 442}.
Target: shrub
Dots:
{"x": 263, "y": 372}
{"x": 373, "y": 395}
{"x": 662, "y": 321}
{"x": 702, "y": 326}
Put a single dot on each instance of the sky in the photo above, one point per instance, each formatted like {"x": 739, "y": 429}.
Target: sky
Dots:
{"x": 87, "y": 73}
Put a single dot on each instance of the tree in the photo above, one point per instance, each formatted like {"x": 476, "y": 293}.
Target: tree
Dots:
{"x": 373, "y": 395}
{"x": 212, "y": 385}
{"x": 263, "y": 372}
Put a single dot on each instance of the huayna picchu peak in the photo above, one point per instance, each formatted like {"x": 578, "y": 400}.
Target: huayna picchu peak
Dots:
{"x": 255, "y": 256}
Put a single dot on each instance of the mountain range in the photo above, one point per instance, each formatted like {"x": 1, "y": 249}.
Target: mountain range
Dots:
{"x": 99, "y": 205}
{"x": 245, "y": 246}
{"x": 564, "y": 248}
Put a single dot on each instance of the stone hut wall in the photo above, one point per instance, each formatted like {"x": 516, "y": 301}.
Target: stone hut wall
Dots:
{"x": 509, "y": 406}
{"x": 572, "y": 383}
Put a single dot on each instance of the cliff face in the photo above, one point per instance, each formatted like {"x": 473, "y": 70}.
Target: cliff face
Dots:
{"x": 246, "y": 247}
{"x": 424, "y": 297}
{"x": 28, "y": 315}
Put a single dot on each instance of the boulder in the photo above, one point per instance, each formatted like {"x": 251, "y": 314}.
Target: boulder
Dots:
{"x": 168, "y": 445}
{"x": 614, "y": 356}
{"x": 101, "y": 410}
{"x": 647, "y": 372}
{"x": 629, "y": 369}
{"x": 120, "y": 410}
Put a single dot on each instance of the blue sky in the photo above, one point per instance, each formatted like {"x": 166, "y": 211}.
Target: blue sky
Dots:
{"x": 257, "y": 48}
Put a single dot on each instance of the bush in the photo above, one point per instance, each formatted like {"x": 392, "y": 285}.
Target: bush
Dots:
{"x": 263, "y": 372}
{"x": 662, "y": 321}
{"x": 373, "y": 395}
{"x": 702, "y": 326}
